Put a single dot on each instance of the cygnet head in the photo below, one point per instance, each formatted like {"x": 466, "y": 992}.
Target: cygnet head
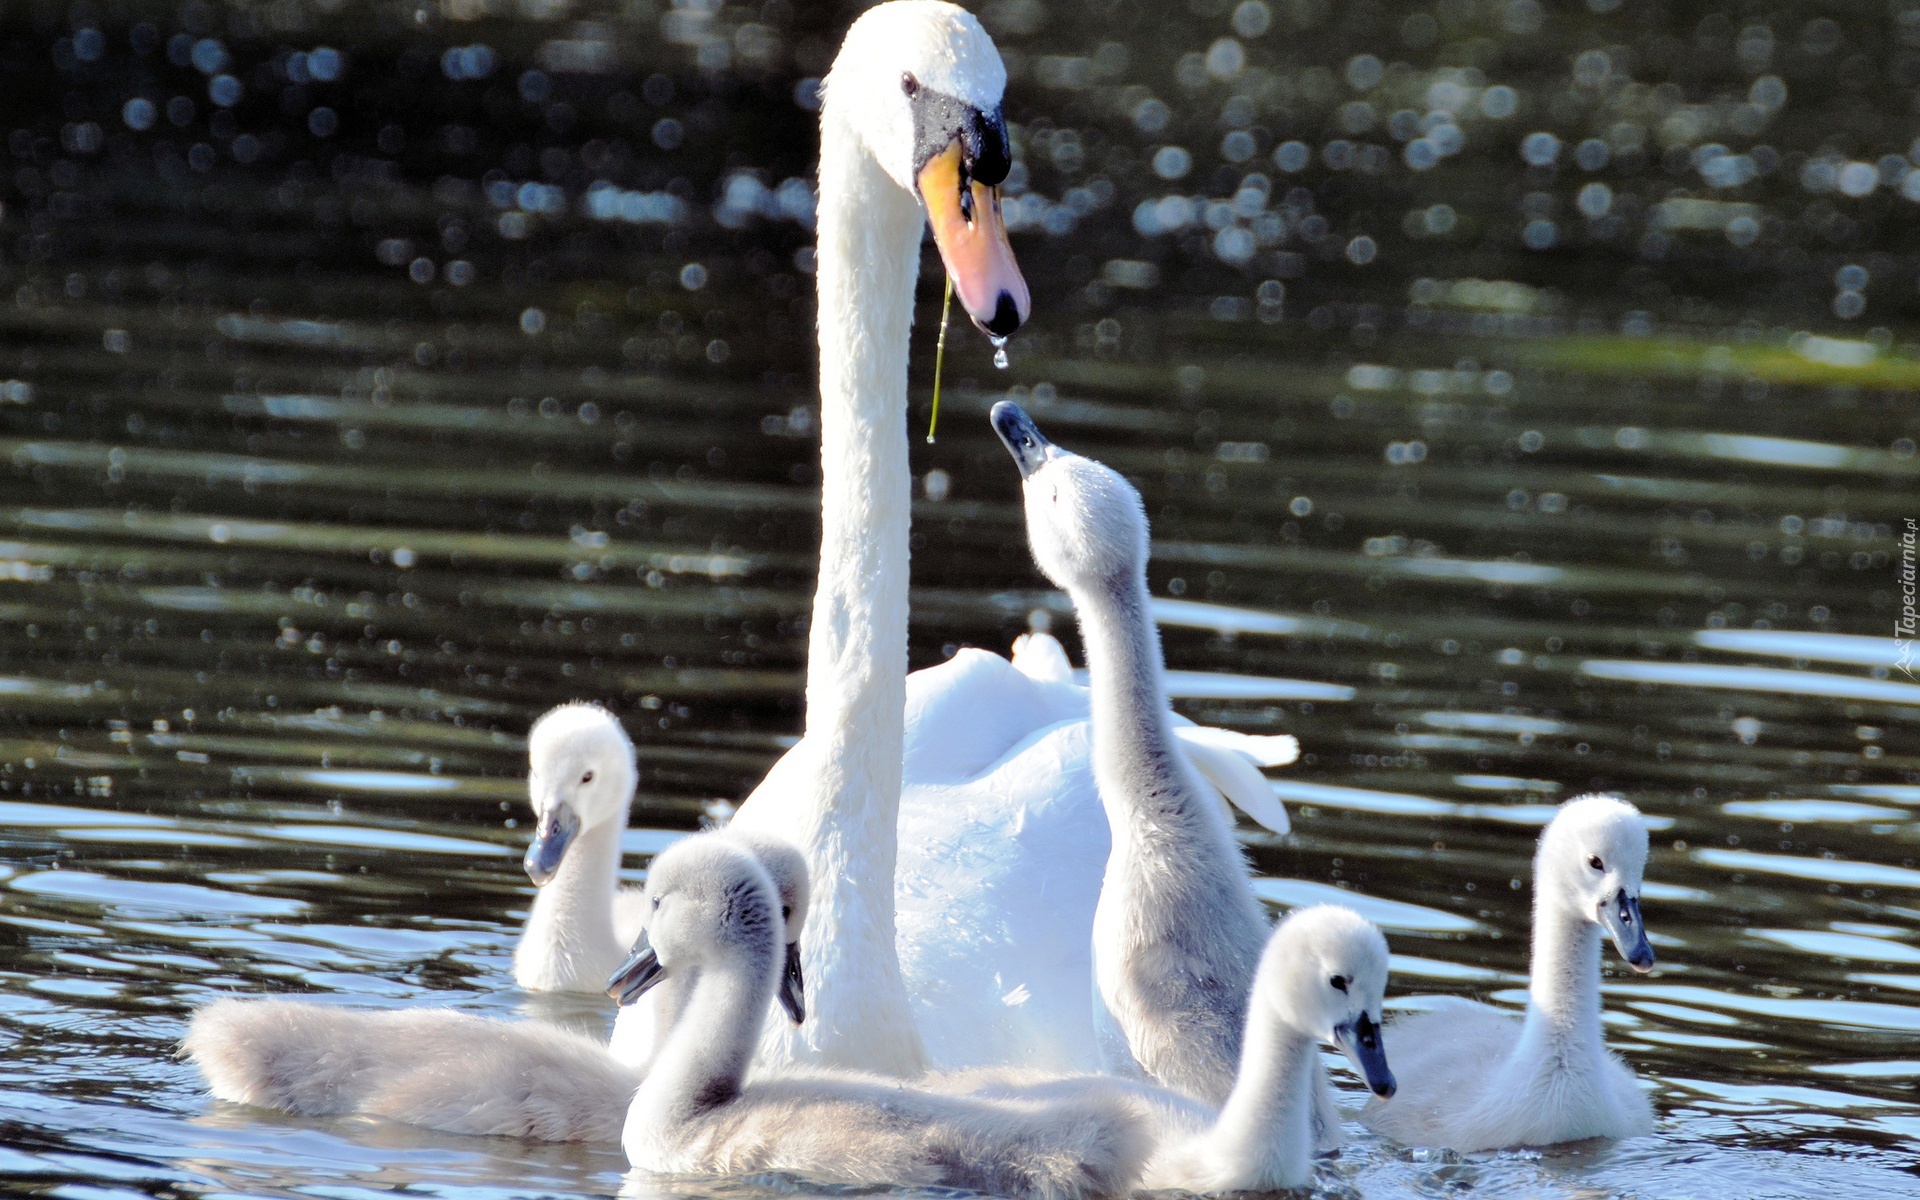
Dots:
{"x": 1591, "y": 859}
{"x": 920, "y": 84}
{"x": 709, "y": 903}
{"x": 787, "y": 867}
{"x": 1324, "y": 973}
{"x": 582, "y": 776}
{"x": 1085, "y": 523}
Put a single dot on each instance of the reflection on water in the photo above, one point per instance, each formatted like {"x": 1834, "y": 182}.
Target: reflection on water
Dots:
{"x": 1522, "y": 396}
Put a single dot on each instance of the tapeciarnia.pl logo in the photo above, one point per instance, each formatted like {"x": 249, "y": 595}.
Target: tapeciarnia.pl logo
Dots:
{"x": 1903, "y": 625}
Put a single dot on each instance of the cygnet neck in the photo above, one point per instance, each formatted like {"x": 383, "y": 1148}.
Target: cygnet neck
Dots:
{"x": 1563, "y": 997}
{"x": 1265, "y": 1130}
{"x": 1131, "y": 736}
{"x": 702, "y": 1062}
{"x": 868, "y": 259}
{"x": 1150, "y": 795}
{"x": 569, "y": 943}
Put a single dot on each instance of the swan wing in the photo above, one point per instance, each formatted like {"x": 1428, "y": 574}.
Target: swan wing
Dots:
{"x": 995, "y": 886}
{"x": 967, "y": 714}
{"x": 1233, "y": 775}
{"x": 772, "y": 806}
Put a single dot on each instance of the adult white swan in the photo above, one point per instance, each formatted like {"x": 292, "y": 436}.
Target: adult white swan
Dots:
{"x": 994, "y": 855}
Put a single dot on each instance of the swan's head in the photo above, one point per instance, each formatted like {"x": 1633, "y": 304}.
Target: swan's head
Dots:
{"x": 1591, "y": 859}
{"x": 1324, "y": 973}
{"x": 920, "y": 84}
{"x": 787, "y": 867}
{"x": 582, "y": 776}
{"x": 1085, "y": 524}
{"x": 709, "y": 903}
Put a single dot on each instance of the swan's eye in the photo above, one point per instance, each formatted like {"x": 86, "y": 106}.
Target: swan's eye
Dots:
{"x": 786, "y": 912}
{"x": 1338, "y": 983}
{"x": 1593, "y": 860}
{"x": 908, "y": 83}
{"x": 656, "y": 902}
{"x": 587, "y": 778}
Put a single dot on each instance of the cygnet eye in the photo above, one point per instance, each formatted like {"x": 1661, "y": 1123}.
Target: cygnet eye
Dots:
{"x": 1593, "y": 860}
{"x": 1338, "y": 983}
{"x": 786, "y": 912}
{"x": 587, "y": 778}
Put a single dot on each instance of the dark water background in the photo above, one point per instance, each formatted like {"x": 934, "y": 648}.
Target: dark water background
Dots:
{"x": 1523, "y": 394}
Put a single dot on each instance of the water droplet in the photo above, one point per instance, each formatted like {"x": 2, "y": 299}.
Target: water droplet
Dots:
{"x": 999, "y": 351}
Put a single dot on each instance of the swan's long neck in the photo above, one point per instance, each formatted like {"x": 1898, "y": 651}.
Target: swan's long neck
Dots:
{"x": 1265, "y": 1130}
{"x": 1563, "y": 1007}
{"x": 704, "y": 1058}
{"x": 869, "y": 255}
{"x": 569, "y": 943}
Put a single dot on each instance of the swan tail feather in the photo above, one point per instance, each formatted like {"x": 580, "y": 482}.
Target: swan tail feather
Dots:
{"x": 1236, "y": 778}
{"x": 1040, "y": 657}
{"x": 436, "y": 1068}
{"x": 1262, "y": 749}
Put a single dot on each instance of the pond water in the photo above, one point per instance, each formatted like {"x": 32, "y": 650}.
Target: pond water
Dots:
{"x": 1522, "y": 395}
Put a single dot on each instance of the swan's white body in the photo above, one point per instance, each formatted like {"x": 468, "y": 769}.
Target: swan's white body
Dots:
{"x": 952, "y": 922}
{"x": 1002, "y": 847}
{"x": 582, "y": 923}
{"x": 1476, "y": 1078}
{"x": 696, "y": 1113}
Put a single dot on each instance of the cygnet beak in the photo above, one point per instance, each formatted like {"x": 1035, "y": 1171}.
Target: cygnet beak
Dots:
{"x": 640, "y": 973}
{"x": 1621, "y": 917}
{"x": 1360, "y": 1041}
{"x": 793, "y": 988}
{"x": 1022, "y": 437}
{"x": 555, "y": 833}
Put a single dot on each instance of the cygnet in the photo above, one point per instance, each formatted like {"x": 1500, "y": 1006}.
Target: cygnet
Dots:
{"x": 454, "y": 1071}
{"x": 713, "y": 921}
{"x": 1178, "y": 931}
{"x": 581, "y": 781}
{"x": 1475, "y": 1078}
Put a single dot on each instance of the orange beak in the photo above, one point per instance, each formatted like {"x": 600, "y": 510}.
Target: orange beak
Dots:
{"x": 967, "y": 226}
